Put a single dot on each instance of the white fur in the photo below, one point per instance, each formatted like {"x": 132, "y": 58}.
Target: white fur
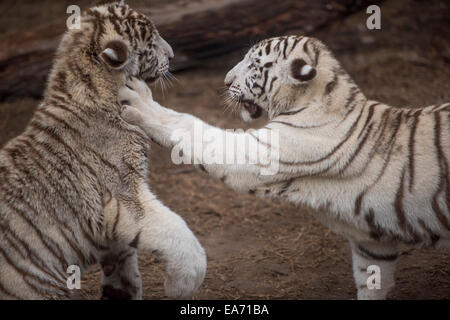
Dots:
{"x": 111, "y": 53}
{"x": 331, "y": 195}
{"x": 163, "y": 231}
{"x": 306, "y": 69}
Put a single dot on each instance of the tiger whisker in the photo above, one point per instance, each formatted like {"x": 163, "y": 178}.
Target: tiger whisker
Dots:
{"x": 172, "y": 76}
{"x": 163, "y": 86}
{"x": 228, "y": 105}
{"x": 223, "y": 90}
{"x": 168, "y": 77}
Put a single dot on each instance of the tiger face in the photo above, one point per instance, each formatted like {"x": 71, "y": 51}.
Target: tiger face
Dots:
{"x": 272, "y": 75}
{"x": 125, "y": 40}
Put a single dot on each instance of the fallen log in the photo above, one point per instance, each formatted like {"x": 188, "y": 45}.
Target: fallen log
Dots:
{"x": 196, "y": 31}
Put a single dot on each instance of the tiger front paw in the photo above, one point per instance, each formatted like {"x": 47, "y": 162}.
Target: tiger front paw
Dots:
{"x": 140, "y": 88}
{"x": 137, "y": 95}
{"x": 186, "y": 274}
{"x": 133, "y": 115}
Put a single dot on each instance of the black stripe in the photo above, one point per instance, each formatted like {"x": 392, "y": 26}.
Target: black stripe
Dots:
{"x": 366, "y": 253}
{"x": 290, "y": 113}
{"x": 400, "y": 211}
{"x": 332, "y": 84}
{"x": 116, "y": 220}
{"x": 59, "y": 140}
{"x": 271, "y": 83}
{"x": 443, "y": 173}
{"x": 369, "y": 117}
{"x": 286, "y": 43}
{"x": 37, "y": 262}
{"x": 411, "y": 147}
{"x": 296, "y": 41}
{"x": 305, "y": 49}
{"x": 135, "y": 242}
{"x": 64, "y": 162}
{"x": 354, "y": 91}
{"x": 391, "y": 143}
{"x": 55, "y": 104}
{"x": 317, "y": 55}
{"x": 301, "y": 127}
{"x": 433, "y": 236}
{"x": 250, "y": 132}
{"x": 357, "y": 150}
{"x": 26, "y": 275}
{"x": 333, "y": 151}
{"x": 44, "y": 239}
{"x": 60, "y": 171}
{"x": 52, "y": 183}
{"x": 55, "y": 214}
{"x": 8, "y": 292}
{"x": 376, "y": 232}
{"x": 286, "y": 186}
{"x": 268, "y": 47}
{"x": 263, "y": 87}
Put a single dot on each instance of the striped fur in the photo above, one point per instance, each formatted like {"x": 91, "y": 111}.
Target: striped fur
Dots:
{"x": 73, "y": 186}
{"x": 376, "y": 174}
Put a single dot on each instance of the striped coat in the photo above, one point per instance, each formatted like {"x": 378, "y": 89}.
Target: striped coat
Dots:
{"x": 379, "y": 175}
{"x": 73, "y": 185}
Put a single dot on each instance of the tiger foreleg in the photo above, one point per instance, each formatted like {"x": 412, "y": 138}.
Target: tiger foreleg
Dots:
{"x": 373, "y": 269}
{"x": 146, "y": 224}
{"x": 160, "y": 123}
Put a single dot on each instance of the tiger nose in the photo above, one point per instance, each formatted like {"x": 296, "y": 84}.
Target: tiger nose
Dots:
{"x": 166, "y": 48}
{"x": 228, "y": 82}
{"x": 170, "y": 54}
{"x": 229, "y": 78}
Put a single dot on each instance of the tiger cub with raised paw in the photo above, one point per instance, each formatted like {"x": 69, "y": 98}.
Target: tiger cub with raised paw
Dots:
{"x": 376, "y": 174}
{"x": 73, "y": 185}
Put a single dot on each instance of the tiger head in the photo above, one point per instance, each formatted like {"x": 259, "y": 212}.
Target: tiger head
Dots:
{"x": 277, "y": 73}
{"x": 114, "y": 39}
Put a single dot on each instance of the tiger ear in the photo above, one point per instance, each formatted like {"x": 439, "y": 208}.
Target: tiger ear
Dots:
{"x": 115, "y": 54}
{"x": 302, "y": 71}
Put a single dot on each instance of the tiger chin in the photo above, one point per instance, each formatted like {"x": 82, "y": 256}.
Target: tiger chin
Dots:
{"x": 73, "y": 185}
{"x": 376, "y": 174}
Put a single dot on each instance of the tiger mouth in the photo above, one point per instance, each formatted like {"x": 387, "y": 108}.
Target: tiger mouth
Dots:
{"x": 163, "y": 69}
{"x": 150, "y": 79}
{"x": 252, "y": 108}
{"x": 159, "y": 73}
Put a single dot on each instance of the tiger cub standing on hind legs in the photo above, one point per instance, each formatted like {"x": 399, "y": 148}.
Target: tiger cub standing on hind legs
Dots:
{"x": 73, "y": 186}
{"x": 374, "y": 173}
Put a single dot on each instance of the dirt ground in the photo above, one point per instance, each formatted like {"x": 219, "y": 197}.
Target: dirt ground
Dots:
{"x": 261, "y": 249}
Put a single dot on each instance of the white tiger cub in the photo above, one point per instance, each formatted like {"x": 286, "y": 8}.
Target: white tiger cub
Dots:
{"x": 376, "y": 174}
{"x": 74, "y": 185}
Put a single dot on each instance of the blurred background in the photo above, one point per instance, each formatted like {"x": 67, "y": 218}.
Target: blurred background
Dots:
{"x": 257, "y": 249}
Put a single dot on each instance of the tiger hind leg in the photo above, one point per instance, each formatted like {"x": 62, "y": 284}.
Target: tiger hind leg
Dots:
{"x": 373, "y": 269}
{"x": 121, "y": 279}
